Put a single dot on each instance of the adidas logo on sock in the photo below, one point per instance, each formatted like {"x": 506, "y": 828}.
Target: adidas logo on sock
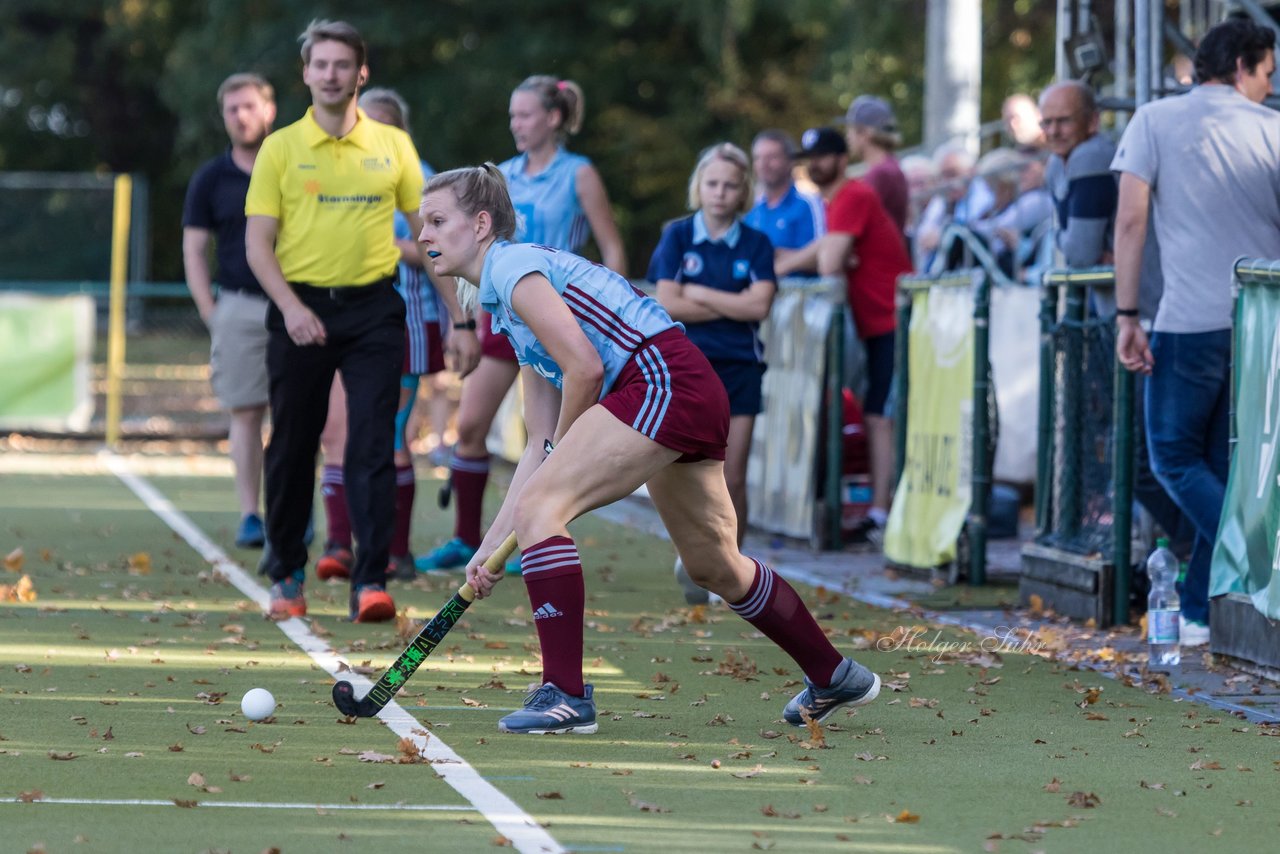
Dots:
{"x": 546, "y": 612}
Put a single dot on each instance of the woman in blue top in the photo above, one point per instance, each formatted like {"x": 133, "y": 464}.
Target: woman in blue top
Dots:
{"x": 558, "y": 198}
{"x": 613, "y": 384}
{"x": 715, "y": 274}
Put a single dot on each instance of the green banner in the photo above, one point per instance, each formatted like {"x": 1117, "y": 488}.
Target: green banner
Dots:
{"x": 46, "y": 348}
{"x": 933, "y": 497}
{"x": 1246, "y": 558}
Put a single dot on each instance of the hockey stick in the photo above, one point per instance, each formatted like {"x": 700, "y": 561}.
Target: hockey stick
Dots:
{"x": 429, "y": 637}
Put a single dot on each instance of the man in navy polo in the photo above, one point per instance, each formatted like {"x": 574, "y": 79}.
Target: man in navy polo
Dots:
{"x": 791, "y": 219}
{"x": 214, "y": 210}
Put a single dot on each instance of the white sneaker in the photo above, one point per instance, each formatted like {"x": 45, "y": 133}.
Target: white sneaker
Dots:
{"x": 1192, "y": 633}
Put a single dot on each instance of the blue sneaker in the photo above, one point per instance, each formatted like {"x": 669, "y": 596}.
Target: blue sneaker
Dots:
{"x": 250, "y": 534}
{"x": 550, "y": 710}
{"x": 454, "y": 554}
{"x": 512, "y": 566}
{"x": 851, "y": 685}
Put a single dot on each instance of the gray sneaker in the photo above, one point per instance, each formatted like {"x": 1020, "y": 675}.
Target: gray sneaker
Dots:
{"x": 693, "y": 594}
{"x": 851, "y": 685}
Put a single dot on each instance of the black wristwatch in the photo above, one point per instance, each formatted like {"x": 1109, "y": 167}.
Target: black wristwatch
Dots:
{"x": 1126, "y": 312}
{"x": 469, "y": 323}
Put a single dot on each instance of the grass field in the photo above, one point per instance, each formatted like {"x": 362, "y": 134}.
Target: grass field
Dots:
{"x": 120, "y": 727}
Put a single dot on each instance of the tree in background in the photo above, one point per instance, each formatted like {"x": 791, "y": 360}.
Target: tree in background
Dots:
{"x": 128, "y": 85}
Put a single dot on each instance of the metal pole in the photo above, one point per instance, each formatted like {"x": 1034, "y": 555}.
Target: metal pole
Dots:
{"x": 1157, "y": 48}
{"x": 1072, "y": 411}
{"x": 980, "y": 476}
{"x": 1123, "y": 81}
{"x": 834, "y": 510}
{"x": 902, "y": 376}
{"x": 1122, "y": 502}
{"x": 1045, "y": 443}
{"x": 1141, "y": 52}
{"x": 116, "y": 311}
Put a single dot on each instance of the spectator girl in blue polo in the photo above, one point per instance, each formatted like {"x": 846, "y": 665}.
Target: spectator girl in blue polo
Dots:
{"x": 615, "y": 396}
{"x": 559, "y": 201}
{"x": 715, "y": 275}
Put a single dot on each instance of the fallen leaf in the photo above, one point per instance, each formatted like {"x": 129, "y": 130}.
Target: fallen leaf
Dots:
{"x": 186, "y": 805}
{"x": 375, "y": 786}
{"x": 13, "y": 560}
{"x": 372, "y": 756}
{"x": 549, "y": 796}
{"x": 61, "y": 755}
{"x": 746, "y": 775}
{"x": 906, "y": 817}
{"x": 644, "y": 806}
{"x": 1054, "y": 785}
{"x": 1083, "y": 800}
{"x": 31, "y": 796}
{"x": 772, "y": 812}
{"x": 196, "y": 779}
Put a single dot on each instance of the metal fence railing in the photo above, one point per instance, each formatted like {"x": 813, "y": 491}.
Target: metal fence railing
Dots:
{"x": 1084, "y": 484}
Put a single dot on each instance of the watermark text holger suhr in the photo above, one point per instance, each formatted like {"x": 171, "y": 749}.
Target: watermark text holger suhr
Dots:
{"x": 1003, "y": 639}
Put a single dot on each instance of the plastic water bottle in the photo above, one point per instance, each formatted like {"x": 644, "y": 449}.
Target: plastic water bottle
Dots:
{"x": 1163, "y": 608}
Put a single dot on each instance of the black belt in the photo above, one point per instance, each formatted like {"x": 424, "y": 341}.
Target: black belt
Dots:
{"x": 344, "y": 293}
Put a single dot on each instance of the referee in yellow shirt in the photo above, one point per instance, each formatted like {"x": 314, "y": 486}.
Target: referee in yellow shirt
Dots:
{"x": 320, "y": 241}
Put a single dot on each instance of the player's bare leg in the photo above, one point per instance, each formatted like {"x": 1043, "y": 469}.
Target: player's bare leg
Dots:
{"x": 244, "y": 436}
{"x": 337, "y": 559}
{"x": 482, "y": 393}
{"x": 694, "y": 504}
{"x": 735, "y": 467}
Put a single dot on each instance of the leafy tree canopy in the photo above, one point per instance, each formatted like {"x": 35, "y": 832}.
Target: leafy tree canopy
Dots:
{"x": 128, "y": 85}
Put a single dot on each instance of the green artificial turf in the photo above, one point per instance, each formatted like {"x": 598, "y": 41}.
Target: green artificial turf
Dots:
{"x": 967, "y": 748}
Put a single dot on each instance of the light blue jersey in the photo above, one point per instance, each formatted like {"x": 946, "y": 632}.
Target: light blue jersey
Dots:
{"x": 415, "y": 288}
{"x": 615, "y": 317}
{"x": 547, "y": 209}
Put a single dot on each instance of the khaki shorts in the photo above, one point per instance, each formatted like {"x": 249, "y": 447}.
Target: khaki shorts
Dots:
{"x": 238, "y": 354}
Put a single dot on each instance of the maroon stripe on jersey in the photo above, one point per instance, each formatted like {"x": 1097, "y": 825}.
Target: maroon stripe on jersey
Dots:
{"x": 590, "y": 303}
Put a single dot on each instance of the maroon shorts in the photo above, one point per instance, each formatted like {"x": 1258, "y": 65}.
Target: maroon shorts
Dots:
{"x": 669, "y": 392}
{"x": 495, "y": 345}
{"x": 423, "y": 349}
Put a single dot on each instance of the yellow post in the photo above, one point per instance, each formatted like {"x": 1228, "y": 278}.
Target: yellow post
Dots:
{"x": 115, "y": 321}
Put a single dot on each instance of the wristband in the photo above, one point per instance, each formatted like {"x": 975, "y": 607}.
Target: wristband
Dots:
{"x": 471, "y": 324}
{"x": 1126, "y": 312}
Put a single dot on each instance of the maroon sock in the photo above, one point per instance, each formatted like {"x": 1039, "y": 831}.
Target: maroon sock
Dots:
{"x": 469, "y": 476}
{"x": 552, "y": 574}
{"x": 406, "y": 488}
{"x": 334, "y": 491}
{"x": 774, "y": 607}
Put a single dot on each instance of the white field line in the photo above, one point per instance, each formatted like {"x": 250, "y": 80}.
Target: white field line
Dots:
{"x": 248, "y": 805}
{"x": 502, "y": 812}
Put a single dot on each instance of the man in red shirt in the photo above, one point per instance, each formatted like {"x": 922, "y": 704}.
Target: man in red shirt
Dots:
{"x": 865, "y": 246}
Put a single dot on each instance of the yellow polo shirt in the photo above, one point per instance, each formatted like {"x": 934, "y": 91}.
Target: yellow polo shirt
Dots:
{"x": 335, "y": 199}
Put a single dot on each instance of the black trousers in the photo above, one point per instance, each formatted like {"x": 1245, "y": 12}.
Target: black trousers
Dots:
{"x": 365, "y": 340}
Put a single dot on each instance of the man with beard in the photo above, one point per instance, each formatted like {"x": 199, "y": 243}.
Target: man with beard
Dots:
{"x": 864, "y": 245}
{"x": 214, "y": 210}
